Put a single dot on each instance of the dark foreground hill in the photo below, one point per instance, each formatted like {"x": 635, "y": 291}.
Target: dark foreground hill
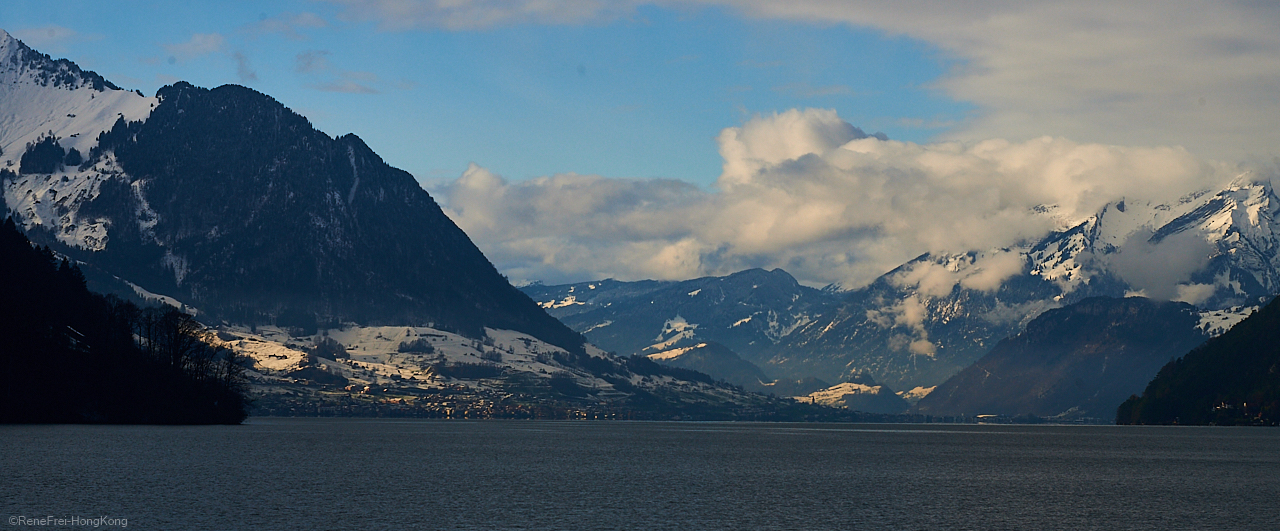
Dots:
{"x": 68, "y": 355}
{"x": 1082, "y": 360}
{"x": 1233, "y": 379}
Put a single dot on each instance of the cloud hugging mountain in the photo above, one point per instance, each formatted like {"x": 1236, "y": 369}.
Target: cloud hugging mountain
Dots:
{"x": 807, "y": 192}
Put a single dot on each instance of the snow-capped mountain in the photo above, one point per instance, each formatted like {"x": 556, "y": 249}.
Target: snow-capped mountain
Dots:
{"x": 42, "y": 99}
{"x": 749, "y": 312}
{"x": 228, "y": 201}
{"x": 926, "y": 320}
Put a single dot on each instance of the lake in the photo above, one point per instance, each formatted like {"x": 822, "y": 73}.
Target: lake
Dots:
{"x": 294, "y": 473}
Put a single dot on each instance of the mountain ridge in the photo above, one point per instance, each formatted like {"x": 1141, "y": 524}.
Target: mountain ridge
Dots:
{"x": 931, "y": 317}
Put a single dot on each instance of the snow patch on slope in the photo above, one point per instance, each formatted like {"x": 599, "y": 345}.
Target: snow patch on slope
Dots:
{"x": 915, "y": 394}
{"x": 674, "y": 353}
{"x": 571, "y": 300}
{"x": 673, "y": 331}
{"x": 1216, "y": 322}
{"x": 53, "y": 201}
{"x": 163, "y": 299}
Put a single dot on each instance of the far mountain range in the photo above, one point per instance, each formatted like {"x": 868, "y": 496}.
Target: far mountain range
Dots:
{"x": 927, "y": 320}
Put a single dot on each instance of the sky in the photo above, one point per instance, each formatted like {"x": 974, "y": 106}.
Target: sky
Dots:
{"x": 578, "y": 140}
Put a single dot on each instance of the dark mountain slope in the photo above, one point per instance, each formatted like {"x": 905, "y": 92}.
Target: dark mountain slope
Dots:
{"x": 1081, "y": 360}
{"x": 233, "y": 203}
{"x": 1231, "y": 379}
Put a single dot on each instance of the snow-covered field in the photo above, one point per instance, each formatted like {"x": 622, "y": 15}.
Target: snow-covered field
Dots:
{"x": 375, "y": 362}
{"x": 834, "y": 395}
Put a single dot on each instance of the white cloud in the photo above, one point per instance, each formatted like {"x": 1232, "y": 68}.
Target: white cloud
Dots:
{"x": 984, "y": 272}
{"x": 800, "y": 190}
{"x": 991, "y": 271}
{"x": 1159, "y": 270}
{"x": 316, "y": 63}
{"x": 1195, "y": 294}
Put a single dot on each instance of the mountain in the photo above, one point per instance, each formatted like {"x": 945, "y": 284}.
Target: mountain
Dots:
{"x": 921, "y": 323}
{"x": 1233, "y": 379}
{"x": 748, "y": 312}
{"x": 1081, "y": 360}
{"x": 717, "y": 361}
{"x": 228, "y": 201}
{"x": 926, "y": 320}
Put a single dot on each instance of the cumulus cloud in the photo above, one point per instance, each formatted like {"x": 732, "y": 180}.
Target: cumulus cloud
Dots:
{"x": 808, "y": 192}
{"x": 481, "y": 14}
{"x": 573, "y": 226}
{"x": 990, "y": 272}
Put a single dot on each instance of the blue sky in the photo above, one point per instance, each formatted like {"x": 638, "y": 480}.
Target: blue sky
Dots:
{"x": 643, "y": 95}
{"x": 586, "y": 139}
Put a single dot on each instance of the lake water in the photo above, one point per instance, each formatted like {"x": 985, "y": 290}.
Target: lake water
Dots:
{"x": 390, "y": 474}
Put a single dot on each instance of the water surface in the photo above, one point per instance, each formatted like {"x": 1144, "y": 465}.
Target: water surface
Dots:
{"x": 276, "y": 473}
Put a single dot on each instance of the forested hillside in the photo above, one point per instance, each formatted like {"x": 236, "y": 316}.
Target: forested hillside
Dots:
{"x": 69, "y": 355}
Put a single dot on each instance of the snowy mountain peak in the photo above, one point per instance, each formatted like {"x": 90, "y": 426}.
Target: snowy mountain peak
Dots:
{"x": 919, "y": 323}
{"x": 55, "y": 108}
{"x": 18, "y": 63}
{"x": 40, "y": 95}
